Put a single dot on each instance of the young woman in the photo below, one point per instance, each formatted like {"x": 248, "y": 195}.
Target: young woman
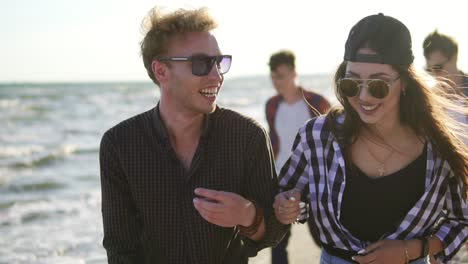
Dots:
{"x": 385, "y": 175}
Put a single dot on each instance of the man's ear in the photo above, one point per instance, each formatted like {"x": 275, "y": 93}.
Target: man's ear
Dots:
{"x": 159, "y": 70}
{"x": 453, "y": 62}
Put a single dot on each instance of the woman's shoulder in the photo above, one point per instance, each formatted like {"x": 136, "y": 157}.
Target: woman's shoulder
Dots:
{"x": 320, "y": 128}
{"x": 322, "y": 123}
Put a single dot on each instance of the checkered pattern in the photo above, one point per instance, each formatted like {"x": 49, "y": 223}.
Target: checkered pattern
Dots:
{"x": 317, "y": 168}
{"x": 147, "y": 207}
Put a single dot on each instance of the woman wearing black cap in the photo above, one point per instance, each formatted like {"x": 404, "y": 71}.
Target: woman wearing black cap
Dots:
{"x": 385, "y": 175}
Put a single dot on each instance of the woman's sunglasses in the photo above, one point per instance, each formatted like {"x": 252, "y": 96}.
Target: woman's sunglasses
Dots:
{"x": 202, "y": 64}
{"x": 376, "y": 87}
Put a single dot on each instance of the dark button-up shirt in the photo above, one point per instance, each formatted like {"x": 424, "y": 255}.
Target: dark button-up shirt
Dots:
{"x": 147, "y": 194}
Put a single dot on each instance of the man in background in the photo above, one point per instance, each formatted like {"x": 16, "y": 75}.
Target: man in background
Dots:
{"x": 187, "y": 181}
{"x": 286, "y": 112}
{"x": 441, "y": 53}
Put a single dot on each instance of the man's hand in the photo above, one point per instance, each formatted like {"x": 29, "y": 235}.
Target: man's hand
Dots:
{"x": 224, "y": 209}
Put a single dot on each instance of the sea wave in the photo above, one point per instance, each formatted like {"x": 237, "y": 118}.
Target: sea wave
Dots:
{"x": 21, "y": 212}
{"x": 39, "y": 186}
{"x": 7, "y": 103}
{"x": 6, "y": 175}
{"x": 19, "y": 151}
{"x": 38, "y": 156}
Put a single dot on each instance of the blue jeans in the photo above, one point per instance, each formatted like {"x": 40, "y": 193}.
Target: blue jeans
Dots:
{"x": 327, "y": 258}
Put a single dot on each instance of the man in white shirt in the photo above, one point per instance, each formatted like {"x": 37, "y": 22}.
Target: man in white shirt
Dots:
{"x": 286, "y": 112}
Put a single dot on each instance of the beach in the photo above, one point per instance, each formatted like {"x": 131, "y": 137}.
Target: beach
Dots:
{"x": 50, "y": 200}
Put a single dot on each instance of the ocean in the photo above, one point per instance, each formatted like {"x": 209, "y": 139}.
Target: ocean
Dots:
{"x": 50, "y": 203}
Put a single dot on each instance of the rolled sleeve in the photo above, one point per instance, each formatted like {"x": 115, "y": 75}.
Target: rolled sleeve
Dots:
{"x": 453, "y": 227}
{"x": 294, "y": 174}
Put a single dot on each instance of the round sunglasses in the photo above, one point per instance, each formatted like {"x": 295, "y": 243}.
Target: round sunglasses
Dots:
{"x": 376, "y": 87}
{"x": 202, "y": 64}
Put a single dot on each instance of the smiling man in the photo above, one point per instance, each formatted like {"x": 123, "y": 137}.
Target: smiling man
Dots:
{"x": 187, "y": 181}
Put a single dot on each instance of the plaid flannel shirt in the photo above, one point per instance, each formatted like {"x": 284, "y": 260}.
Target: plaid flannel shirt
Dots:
{"x": 317, "y": 169}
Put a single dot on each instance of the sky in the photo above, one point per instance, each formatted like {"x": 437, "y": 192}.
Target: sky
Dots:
{"x": 98, "y": 40}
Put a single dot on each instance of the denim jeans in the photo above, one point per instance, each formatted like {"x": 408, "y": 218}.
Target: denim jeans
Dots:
{"x": 327, "y": 258}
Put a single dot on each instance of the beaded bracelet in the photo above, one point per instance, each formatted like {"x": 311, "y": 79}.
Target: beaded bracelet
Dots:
{"x": 253, "y": 228}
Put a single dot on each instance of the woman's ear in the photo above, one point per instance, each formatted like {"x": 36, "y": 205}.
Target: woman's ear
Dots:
{"x": 403, "y": 86}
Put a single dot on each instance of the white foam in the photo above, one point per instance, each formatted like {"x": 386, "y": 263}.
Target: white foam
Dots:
{"x": 7, "y": 103}
{"x": 19, "y": 151}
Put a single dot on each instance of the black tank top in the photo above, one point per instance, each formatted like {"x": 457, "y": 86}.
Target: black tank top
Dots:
{"x": 374, "y": 207}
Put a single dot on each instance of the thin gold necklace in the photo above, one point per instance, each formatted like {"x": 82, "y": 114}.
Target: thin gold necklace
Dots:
{"x": 381, "y": 168}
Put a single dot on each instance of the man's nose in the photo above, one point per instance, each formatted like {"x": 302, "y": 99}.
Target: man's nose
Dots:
{"x": 215, "y": 71}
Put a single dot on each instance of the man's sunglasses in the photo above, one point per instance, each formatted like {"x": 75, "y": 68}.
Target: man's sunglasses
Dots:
{"x": 376, "y": 87}
{"x": 202, "y": 64}
{"x": 435, "y": 68}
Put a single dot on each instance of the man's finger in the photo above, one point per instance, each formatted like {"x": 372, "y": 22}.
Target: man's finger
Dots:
{"x": 208, "y": 205}
{"x": 210, "y": 194}
{"x": 210, "y": 217}
{"x": 214, "y": 218}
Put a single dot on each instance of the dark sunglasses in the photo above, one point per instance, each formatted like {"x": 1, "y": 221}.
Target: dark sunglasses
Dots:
{"x": 202, "y": 64}
{"x": 438, "y": 67}
{"x": 376, "y": 87}
{"x": 435, "y": 68}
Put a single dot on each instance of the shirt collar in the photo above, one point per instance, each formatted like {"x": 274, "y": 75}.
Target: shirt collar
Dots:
{"x": 300, "y": 89}
{"x": 161, "y": 131}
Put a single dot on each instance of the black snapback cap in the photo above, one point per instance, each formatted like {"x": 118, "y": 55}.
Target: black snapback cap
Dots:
{"x": 385, "y": 35}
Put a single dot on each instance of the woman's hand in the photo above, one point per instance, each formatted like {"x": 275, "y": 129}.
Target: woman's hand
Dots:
{"x": 384, "y": 252}
{"x": 286, "y": 206}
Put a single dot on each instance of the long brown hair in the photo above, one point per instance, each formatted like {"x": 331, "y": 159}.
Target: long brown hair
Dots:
{"x": 425, "y": 108}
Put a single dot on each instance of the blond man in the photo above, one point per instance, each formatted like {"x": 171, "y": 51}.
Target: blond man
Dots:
{"x": 187, "y": 181}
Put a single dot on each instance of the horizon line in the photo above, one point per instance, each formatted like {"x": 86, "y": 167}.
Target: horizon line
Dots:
{"x": 10, "y": 82}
